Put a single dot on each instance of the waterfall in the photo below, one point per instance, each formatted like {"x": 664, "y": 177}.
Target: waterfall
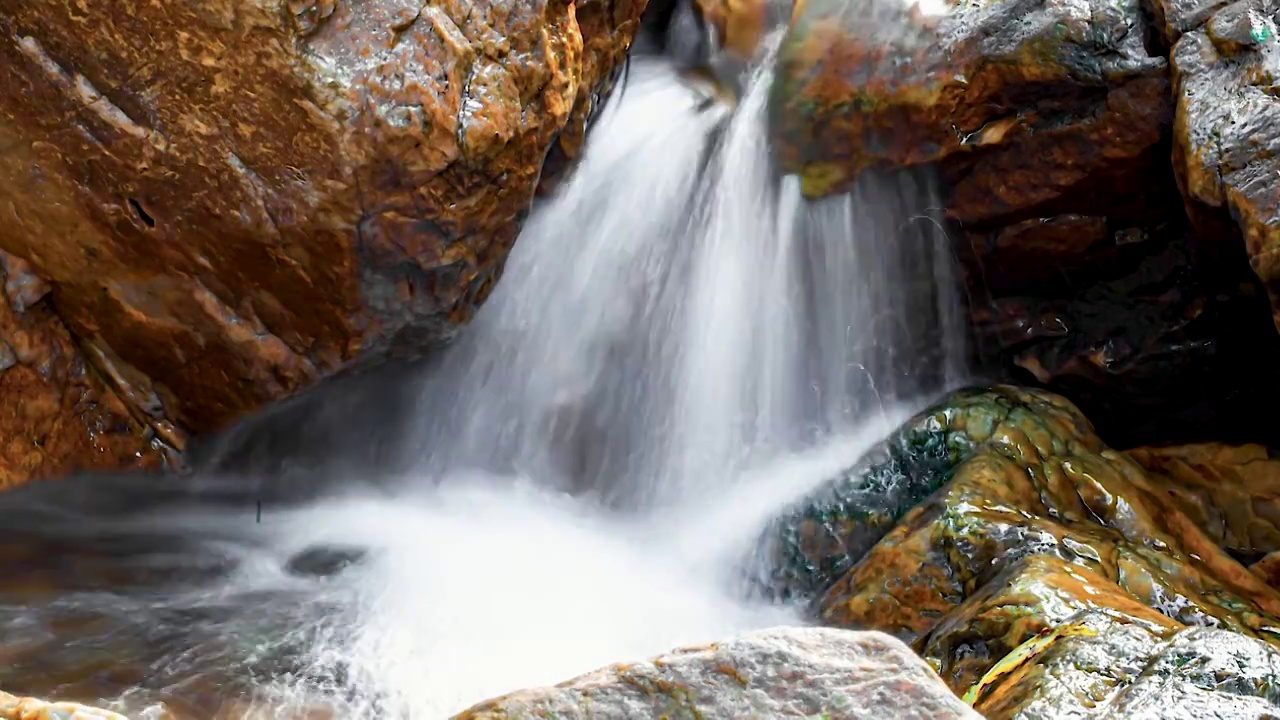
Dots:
{"x": 680, "y": 345}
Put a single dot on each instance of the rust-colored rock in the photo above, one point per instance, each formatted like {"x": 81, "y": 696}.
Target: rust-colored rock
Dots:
{"x": 997, "y": 522}
{"x": 231, "y": 200}
{"x": 1226, "y": 138}
{"x": 1232, "y": 492}
{"x": 1030, "y": 104}
{"x": 57, "y": 416}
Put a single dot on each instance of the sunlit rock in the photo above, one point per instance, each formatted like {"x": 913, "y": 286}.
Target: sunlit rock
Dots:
{"x": 56, "y": 415}
{"x": 1227, "y": 140}
{"x": 1103, "y": 666}
{"x": 1012, "y": 519}
{"x": 777, "y": 673}
{"x": 22, "y": 708}
{"x": 232, "y": 200}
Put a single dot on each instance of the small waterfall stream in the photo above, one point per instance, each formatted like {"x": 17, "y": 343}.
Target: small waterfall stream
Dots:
{"x": 679, "y": 347}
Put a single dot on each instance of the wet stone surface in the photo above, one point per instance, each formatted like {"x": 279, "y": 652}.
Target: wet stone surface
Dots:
{"x": 1008, "y": 524}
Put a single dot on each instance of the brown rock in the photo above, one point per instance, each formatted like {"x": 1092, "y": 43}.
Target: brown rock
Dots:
{"x": 1147, "y": 344}
{"x": 57, "y": 416}
{"x": 1232, "y": 492}
{"x": 231, "y": 200}
{"x": 1029, "y": 105}
{"x": 1226, "y": 140}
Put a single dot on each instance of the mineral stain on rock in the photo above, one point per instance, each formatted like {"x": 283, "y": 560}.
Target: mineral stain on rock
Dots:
{"x": 238, "y": 199}
{"x": 1008, "y": 538}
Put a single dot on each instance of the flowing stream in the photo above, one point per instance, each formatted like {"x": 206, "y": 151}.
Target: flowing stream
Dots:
{"x": 680, "y": 346}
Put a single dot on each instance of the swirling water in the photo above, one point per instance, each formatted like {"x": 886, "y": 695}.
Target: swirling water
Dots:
{"x": 680, "y": 346}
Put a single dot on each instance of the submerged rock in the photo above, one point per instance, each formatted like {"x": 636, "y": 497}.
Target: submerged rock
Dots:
{"x": 56, "y": 415}
{"x": 1030, "y": 523}
{"x": 232, "y": 200}
{"x": 777, "y": 673}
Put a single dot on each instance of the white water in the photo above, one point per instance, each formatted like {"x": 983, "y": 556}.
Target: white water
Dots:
{"x": 679, "y": 348}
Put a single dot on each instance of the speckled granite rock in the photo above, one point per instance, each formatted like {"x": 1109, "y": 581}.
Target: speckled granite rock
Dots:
{"x": 777, "y": 673}
{"x": 56, "y": 415}
{"x": 996, "y": 518}
{"x": 1226, "y": 139}
{"x": 19, "y": 708}
{"x": 233, "y": 199}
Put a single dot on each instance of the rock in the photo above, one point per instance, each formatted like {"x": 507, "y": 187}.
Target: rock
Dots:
{"x": 1034, "y": 522}
{"x": 1100, "y": 667}
{"x": 57, "y": 416}
{"x": 1173, "y": 18}
{"x": 1033, "y": 109}
{"x": 1230, "y": 492}
{"x": 18, "y": 708}
{"x": 230, "y": 201}
{"x": 324, "y": 561}
{"x": 1226, "y": 143}
{"x": 1150, "y": 345}
{"x": 776, "y": 673}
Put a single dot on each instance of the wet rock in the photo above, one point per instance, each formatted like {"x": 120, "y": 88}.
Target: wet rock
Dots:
{"x": 1103, "y": 666}
{"x": 1231, "y": 492}
{"x": 783, "y": 672}
{"x": 1033, "y": 109}
{"x": 1034, "y": 521}
{"x": 324, "y": 561}
{"x": 20, "y": 708}
{"x": 1226, "y": 140}
{"x": 57, "y": 415}
{"x": 231, "y": 201}
{"x": 1150, "y": 345}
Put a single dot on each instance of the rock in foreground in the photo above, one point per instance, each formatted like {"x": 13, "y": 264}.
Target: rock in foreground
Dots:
{"x": 777, "y": 673}
{"x": 20, "y": 708}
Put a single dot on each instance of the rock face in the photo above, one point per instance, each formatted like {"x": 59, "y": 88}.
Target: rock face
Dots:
{"x": 778, "y": 673}
{"x": 231, "y": 200}
{"x": 1029, "y": 102}
{"x": 1102, "y": 162}
{"x": 57, "y": 416}
{"x": 1227, "y": 142}
{"x": 1004, "y": 528}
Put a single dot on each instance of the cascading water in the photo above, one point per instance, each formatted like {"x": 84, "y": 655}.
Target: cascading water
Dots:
{"x": 680, "y": 347}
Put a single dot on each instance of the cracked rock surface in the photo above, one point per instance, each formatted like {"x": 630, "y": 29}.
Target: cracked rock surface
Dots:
{"x": 232, "y": 200}
{"x": 56, "y": 415}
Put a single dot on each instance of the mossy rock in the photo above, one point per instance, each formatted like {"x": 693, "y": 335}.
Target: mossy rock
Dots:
{"x": 988, "y": 524}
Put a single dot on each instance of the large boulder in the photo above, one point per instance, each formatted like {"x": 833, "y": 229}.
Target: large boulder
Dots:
{"x": 231, "y": 200}
{"x": 776, "y": 673}
{"x": 997, "y": 519}
{"x": 57, "y": 415}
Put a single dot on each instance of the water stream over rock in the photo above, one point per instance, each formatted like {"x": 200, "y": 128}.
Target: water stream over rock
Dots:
{"x": 680, "y": 345}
